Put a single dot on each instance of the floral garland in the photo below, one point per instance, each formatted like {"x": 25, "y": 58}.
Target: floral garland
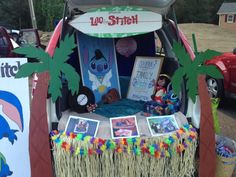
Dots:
{"x": 127, "y": 145}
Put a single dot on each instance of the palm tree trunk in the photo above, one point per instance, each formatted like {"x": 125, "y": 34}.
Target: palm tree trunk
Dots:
{"x": 207, "y": 166}
{"x": 39, "y": 147}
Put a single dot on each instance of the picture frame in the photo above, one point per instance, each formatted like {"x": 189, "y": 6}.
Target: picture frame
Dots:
{"x": 124, "y": 127}
{"x": 82, "y": 125}
{"x": 162, "y": 125}
{"x": 98, "y": 65}
{"x": 144, "y": 77}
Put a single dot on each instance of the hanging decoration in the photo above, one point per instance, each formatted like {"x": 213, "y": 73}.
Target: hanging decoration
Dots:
{"x": 126, "y": 46}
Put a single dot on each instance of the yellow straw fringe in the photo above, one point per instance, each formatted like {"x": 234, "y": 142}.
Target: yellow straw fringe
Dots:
{"x": 113, "y": 164}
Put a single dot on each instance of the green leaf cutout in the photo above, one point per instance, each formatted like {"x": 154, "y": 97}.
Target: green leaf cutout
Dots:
{"x": 177, "y": 80}
{"x": 181, "y": 54}
{"x": 64, "y": 50}
{"x": 33, "y": 52}
{"x": 190, "y": 69}
{"x": 207, "y": 55}
{"x": 70, "y": 73}
{"x": 55, "y": 66}
{"x": 211, "y": 70}
{"x": 30, "y": 68}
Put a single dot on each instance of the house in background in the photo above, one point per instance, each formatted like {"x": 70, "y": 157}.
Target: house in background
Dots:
{"x": 227, "y": 15}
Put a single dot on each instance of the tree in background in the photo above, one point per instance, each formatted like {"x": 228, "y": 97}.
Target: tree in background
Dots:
{"x": 47, "y": 12}
{"x": 15, "y": 13}
{"x": 198, "y": 11}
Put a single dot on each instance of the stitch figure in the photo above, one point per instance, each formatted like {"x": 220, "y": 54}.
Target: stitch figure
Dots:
{"x": 10, "y": 108}
{"x": 4, "y": 168}
{"x": 99, "y": 70}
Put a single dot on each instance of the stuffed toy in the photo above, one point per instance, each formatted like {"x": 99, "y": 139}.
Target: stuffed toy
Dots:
{"x": 164, "y": 101}
{"x": 111, "y": 96}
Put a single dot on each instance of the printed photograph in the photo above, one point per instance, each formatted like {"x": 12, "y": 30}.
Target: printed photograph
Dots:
{"x": 82, "y": 125}
{"x": 160, "y": 125}
{"x": 124, "y": 127}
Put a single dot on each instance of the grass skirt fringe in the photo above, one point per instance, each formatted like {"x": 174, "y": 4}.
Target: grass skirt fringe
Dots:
{"x": 125, "y": 164}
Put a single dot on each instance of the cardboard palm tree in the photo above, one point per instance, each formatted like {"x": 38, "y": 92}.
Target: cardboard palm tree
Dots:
{"x": 55, "y": 65}
{"x": 192, "y": 71}
{"x": 50, "y": 69}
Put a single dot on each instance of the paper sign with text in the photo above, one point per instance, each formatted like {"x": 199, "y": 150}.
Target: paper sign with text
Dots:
{"x": 14, "y": 120}
{"x": 143, "y": 79}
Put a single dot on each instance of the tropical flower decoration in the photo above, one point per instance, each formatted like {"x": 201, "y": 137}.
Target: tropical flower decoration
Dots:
{"x": 190, "y": 69}
{"x": 55, "y": 65}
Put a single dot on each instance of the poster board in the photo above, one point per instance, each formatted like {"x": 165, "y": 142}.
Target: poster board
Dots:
{"x": 98, "y": 64}
{"x": 144, "y": 76}
{"x": 14, "y": 120}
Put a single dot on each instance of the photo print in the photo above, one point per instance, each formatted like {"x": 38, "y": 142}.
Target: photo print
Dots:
{"x": 82, "y": 125}
{"x": 161, "y": 125}
{"x": 124, "y": 127}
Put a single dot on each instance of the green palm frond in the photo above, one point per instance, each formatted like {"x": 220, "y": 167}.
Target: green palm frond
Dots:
{"x": 210, "y": 70}
{"x": 28, "y": 69}
{"x": 190, "y": 69}
{"x": 180, "y": 52}
{"x": 55, "y": 66}
{"x": 33, "y": 52}
{"x": 192, "y": 86}
{"x": 58, "y": 65}
{"x": 64, "y": 50}
{"x": 55, "y": 86}
{"x": 70, "y": 73}
{"x": 201, "y": 57}
{"x": 177, "y": 80}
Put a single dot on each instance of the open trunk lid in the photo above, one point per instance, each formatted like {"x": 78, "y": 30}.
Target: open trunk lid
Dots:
{"x": 158, "y": 6}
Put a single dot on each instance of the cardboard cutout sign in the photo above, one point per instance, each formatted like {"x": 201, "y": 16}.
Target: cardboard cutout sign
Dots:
{"x": 14, "y": 120}
{"x": 117, "y": 21}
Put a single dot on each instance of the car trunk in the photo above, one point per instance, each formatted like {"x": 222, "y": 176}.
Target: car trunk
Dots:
{"x": 145, "y": 42}
{"x": 158, "y": 6}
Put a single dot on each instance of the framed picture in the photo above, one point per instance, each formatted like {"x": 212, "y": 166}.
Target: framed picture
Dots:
{"x": 144, "y": 76}
{"x": 82, "y": 125}
{"x": 124, "y": 127}
{"x": 97, "y": 58}
{"x": 161, "y": 125}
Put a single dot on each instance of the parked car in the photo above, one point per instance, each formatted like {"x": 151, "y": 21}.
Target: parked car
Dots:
{"x": 226, "y": 87}
{"x": 29, "y": 37}
{"x": 6, "y": 44}
{"x": 26, "y": 37}
{"x": 13, "y": 33}
{"x": 166, "y": 34}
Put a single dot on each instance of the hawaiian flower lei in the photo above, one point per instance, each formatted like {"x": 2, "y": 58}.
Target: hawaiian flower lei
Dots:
{"x": 187, "y": 134}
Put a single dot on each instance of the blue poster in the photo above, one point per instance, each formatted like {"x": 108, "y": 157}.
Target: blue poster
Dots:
{"x": 98, "y": 64}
